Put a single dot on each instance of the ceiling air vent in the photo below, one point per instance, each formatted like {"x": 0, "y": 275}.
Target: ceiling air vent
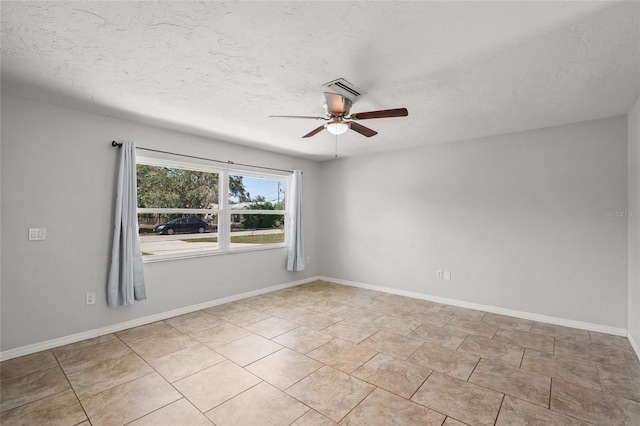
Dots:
{"x": 344, "y": 88}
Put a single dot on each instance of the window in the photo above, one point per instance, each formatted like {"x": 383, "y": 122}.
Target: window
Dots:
{"x": 257, "y": 213}
{"x": 192, "y": 210}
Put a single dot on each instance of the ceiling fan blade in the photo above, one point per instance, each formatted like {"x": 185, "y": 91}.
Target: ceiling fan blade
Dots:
{"x": 314, "y": 132}
{"x": 335, "y": 103}
{"x": 365, "y": 131}
{"x": 384, "y": 113}
{"x": 298, "y": 116}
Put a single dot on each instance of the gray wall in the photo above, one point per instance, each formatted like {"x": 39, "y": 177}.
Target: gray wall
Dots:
{"x": 634, "y": 221}
{"x": 518, "y": 219}
{"x": 58, "y": 173}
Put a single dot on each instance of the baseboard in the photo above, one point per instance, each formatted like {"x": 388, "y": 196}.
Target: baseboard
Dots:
{"x": 73, "y": 338}
{"x": 487, "y": 308}
{"x": 634, "y": 345}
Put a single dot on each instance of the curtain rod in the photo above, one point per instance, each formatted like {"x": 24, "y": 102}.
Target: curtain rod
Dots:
{"x": 119, "y": 145}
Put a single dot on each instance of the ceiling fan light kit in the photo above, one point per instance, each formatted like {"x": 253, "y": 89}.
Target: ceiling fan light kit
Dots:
{"x": 337, "y": 127}
{"x": 337, "y": 108}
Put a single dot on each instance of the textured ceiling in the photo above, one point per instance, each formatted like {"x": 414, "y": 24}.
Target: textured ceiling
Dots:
{"x": 463, "y": 69}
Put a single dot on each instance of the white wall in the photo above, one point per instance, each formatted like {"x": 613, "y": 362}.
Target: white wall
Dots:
{"x": 633, "y": 120}
{"x": 58, "y": 172}
{"x": 518, "y": 219}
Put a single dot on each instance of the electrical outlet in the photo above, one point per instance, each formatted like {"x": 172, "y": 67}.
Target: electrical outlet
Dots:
{"x": 90, "y": 298}
{"x": 308, "y": 260}
{"x": 447, "y": 275}
{"x": 439, "y": 274}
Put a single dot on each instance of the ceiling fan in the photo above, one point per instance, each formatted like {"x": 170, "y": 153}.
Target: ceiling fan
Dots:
{"x": 338, "y": 119}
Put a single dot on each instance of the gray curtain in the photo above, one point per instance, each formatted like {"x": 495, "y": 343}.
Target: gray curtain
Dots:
{"x": 126, "y": 277}
{"x": 295, "y": 259}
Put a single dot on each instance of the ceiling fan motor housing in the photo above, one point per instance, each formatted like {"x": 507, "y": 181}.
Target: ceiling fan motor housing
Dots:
{"x": 339, "y": 108}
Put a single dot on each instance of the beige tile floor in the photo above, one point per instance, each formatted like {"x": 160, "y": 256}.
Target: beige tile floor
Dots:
{"x": 321, "y": 354}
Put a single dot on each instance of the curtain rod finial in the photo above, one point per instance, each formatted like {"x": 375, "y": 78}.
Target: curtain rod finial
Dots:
{"x": 114, "y": 144}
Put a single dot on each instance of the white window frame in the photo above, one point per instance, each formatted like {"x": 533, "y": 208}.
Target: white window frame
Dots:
{"x": 223, "y": 211}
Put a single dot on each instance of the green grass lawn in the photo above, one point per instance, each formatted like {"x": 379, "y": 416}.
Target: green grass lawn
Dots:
{"x": 245, "y": 239}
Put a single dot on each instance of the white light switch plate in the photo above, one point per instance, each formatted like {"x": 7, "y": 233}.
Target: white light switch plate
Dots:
{"x": 37, "y": 234}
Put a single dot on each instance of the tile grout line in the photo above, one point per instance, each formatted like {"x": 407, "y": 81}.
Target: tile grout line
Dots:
{"x": 358, "y": 403}
{"x": 303, "y": 414}
{"x": 421, "y": 385}
{"x": 159, "y": 408}
{"x": 524, "y": 350}
{"x": 504, "y": 395}
{"x": 472, "y": 371}
{"x": 233, "y": 397}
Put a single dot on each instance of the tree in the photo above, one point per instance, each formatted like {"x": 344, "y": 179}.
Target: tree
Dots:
{"x": 236, "y": 189}
{"x": 166, "y": 187}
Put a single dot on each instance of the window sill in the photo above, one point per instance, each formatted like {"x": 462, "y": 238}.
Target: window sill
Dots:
{"x": 208, "y": 253}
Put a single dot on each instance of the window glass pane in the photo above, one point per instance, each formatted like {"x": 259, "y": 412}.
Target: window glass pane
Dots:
{"x": 166, "y": 187}
{"x": 247, "y": 192}
{"x": 253, "y": 229}
{"x": 177, "y": 233}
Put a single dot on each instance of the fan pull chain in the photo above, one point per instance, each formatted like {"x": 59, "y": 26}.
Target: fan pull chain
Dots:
{"x": 336, "y": 146}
